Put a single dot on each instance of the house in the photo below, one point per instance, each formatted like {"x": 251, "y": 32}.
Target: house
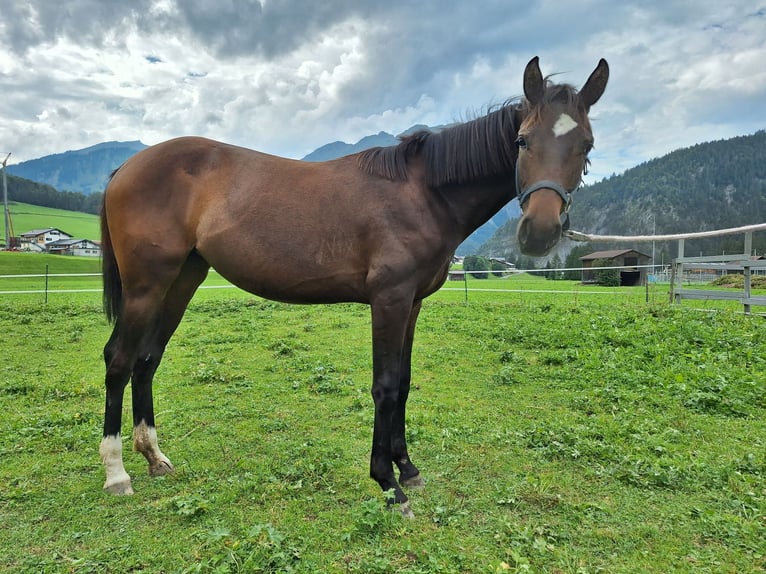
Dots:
{"x": 54, "y": 240}
{"x": 629, "y": 259}
{"x": 81, "y": 247}
{"x": 37, "y": 239}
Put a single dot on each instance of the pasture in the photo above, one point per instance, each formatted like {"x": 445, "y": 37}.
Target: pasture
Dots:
{"x": 27, "y": 217}
{"x": 556, "y": 433}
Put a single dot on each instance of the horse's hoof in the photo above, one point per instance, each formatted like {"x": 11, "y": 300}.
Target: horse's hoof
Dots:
{"x": 406, "y": 511}
{"x": 416, "y": 481}
{"x": 161, "y": 468}
{"x": 121, "y": 488}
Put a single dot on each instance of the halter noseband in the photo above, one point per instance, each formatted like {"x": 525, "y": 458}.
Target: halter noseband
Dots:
{"x": 565, "y": 194}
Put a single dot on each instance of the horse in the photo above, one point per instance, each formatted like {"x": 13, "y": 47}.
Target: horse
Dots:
{"x": 378, "y": 227}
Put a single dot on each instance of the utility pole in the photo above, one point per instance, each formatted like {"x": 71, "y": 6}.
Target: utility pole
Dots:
{"x": 6, "y": 213}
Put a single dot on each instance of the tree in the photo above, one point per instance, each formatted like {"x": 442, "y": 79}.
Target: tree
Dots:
{"x": 606, "y": 277}
{"x": 572, "y": 261}
{"x": 554, "y": 263}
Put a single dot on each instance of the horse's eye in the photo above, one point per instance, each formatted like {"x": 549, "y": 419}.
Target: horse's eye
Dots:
{"x": 521, "y": 142}
{"x": 588, "y": 147}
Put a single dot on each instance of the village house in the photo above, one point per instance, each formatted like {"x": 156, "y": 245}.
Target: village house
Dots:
{"x": 80, "y": 247}
{"x": 56, "y": 241}
{"x": 37, "y": 239}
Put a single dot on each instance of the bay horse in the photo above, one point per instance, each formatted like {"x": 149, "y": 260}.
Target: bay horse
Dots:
{"x": 378, "y": 227}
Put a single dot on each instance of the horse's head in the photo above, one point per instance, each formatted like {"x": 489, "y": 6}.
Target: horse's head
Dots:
{"x": 554, "y": 140}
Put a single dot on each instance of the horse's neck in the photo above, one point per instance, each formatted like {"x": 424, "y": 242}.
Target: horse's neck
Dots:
{"x": 471, "y": 205}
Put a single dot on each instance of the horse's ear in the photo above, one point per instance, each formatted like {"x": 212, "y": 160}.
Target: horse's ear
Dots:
{"x": 596, "y": 84}
{"x": 534, "y": 84}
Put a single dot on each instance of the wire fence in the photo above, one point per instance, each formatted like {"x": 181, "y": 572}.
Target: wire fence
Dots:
{"x": 544, "y": 285}
{"x": 505, "y": 281}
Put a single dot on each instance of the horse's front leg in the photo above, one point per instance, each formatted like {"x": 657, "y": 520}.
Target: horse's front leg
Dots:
{"x": 409, "y": 476}
{"x": 389, "y": 326}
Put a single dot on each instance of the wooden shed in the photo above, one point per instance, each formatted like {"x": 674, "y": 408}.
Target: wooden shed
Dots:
{"x": 629, "y": 259}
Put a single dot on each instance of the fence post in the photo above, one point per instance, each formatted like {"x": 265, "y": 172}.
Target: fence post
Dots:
{"x": 46, "y": 283}
{"x": 746, "y": 269}
{"x": 465, "y": 285}
{"x": 678, "y": 274}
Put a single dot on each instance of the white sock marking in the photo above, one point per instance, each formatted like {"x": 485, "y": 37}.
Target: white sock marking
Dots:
{"x": 111, "y": 455}
{"x": 145, "y": 442}
{"x": 564, "y": 125}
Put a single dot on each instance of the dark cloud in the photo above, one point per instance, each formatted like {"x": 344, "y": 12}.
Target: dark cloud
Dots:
{"x": 249, "y": 27}
{"x": 225, "y": 27}
{"x": 88, "y": 22}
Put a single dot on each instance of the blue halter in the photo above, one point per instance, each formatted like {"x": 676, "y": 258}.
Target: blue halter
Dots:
{"x": 565, "y": 194}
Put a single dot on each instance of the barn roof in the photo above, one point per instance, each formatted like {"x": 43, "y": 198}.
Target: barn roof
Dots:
{"x": 613, "y": 254}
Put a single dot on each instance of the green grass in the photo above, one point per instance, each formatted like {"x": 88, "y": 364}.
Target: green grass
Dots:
{"x": 557, "y": 433}
{"x": 27, "y": 217}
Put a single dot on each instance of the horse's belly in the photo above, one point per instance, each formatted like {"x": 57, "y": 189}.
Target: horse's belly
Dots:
{"x": 293, "y": 280}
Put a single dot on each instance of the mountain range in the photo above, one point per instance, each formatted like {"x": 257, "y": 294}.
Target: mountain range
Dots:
{"x": 84, "y": 170}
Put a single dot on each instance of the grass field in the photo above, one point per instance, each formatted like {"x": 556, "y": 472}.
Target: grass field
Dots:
{"x": 27, "y": 217}
{"x": 557, "y": 433}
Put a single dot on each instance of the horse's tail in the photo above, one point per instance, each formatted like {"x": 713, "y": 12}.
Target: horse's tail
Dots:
{"x": 109, "y": 270}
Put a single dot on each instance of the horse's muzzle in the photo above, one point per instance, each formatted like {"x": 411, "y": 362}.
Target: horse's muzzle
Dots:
{"x": 537, "y": 238}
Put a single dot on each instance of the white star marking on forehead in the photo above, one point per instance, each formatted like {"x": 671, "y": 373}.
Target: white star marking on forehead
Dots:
{"x": 563, "y": 125}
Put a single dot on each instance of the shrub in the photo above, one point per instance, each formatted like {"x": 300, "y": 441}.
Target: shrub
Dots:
{"x": 497, "y": 268}
{"x": 476, "y": 263}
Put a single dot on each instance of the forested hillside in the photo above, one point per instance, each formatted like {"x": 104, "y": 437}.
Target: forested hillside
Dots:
{"x": 712, "y": 185}
{"x": 26, "y": 191}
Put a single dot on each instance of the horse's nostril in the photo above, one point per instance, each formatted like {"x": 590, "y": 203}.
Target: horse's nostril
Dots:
{"x": 523, "y": 233}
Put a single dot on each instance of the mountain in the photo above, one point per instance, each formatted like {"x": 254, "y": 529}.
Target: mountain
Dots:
{"x": 85, "y": 170}
{"x": 339, "y": 149}
{"x": 713, "y": 185}
{"x": 381, "y": 139}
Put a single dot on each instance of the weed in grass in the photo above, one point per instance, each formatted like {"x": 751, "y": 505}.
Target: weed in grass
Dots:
{"x": 282, "y": 348}
{"x": 507, "y": 376}
{"x": 188, "y": 505}
{"x": 374, "y": 519}
{"x": 323, "y": 380}
{"x": 717, "y": 397}
{"x": 262, "y": 548}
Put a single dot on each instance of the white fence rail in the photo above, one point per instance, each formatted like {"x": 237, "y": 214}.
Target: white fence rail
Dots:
{"x": 739, "y": 262}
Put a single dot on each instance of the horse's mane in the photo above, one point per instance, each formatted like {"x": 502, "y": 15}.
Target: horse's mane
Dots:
{"x": 474, "y": 150}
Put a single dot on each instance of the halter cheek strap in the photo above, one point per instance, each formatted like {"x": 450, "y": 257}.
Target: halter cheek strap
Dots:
{"x": 564, "y": 194}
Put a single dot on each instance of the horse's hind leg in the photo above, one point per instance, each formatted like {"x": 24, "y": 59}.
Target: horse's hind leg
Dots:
{"x": 135, "y": 319}
{"x": 192, "y": 275}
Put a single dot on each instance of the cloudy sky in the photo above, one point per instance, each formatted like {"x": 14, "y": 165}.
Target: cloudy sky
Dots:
{"x": 288, "y": 76}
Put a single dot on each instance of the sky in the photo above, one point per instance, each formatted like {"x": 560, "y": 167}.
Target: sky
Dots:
{"x": 286, "y": 77}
